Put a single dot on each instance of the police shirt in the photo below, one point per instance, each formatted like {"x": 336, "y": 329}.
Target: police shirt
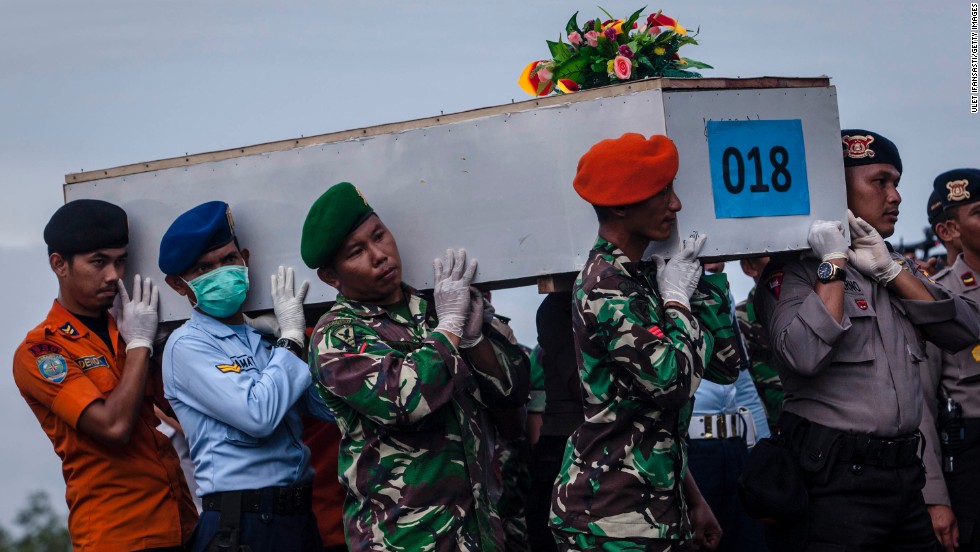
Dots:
{"x": 860, "y": 375}
{"x": 236, "y": 395}
{"x": 959, "y": 375}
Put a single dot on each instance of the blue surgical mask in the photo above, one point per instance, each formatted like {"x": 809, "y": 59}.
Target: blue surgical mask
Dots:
{"x": 221, "y": 292}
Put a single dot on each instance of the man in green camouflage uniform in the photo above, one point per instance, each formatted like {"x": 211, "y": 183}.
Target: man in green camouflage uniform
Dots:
{"x": 646, "y": 333}
{"x": 763, "y": 373}
{"x": 409, "y": 385}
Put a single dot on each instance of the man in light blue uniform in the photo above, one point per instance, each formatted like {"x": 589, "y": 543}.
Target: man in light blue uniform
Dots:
{"x": 727, "y": 420}
{"x": 238, "y": 397}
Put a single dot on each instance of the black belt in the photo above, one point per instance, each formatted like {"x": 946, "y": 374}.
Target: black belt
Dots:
{"x": 284, "y": 501}
{"x": 817, "y": 441}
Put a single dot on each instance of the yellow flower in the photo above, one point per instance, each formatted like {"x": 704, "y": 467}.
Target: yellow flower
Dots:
{"x": 610, "y": 66}
{"x": 660, "y": 50}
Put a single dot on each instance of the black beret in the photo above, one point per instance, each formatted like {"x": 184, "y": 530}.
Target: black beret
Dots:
{"x": 863, "y": 147}
{"x": 333, "y": 216}
{"x": 934, "y": 209}
{"x": 957, "y": 187}
{"x": 204, "y": 228}
{"x": 86, "y": 225}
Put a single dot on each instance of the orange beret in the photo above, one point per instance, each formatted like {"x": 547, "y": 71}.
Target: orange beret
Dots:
{"x": 626, "y": 170}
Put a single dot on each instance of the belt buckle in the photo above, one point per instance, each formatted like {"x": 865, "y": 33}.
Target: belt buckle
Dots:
{"x": 708, "y": 426}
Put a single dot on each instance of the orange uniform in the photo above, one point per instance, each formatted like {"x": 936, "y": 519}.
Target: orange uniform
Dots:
{"x": 323, "y": 438}
{"x": 131, "y": 497}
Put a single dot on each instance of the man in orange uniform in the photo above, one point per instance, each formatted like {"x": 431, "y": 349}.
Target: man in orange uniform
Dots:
{"x": 85, "y": 376}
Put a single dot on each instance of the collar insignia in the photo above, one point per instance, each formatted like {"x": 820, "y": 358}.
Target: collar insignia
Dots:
{"x": 68, "y": 329}
{"x": 858, "y": 147}
{"x": 968, "y": 279}
{"x": 976, "y": 353}
{"x": 861, "y": 303}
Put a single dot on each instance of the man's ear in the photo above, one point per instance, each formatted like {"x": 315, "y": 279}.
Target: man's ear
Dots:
{"x": 328, "y": 275}
{"x": 948, "y": 230}
{"x": 59, "y": 265}
{"x": 244, "y": 253}
{"x": 618, "y": 211}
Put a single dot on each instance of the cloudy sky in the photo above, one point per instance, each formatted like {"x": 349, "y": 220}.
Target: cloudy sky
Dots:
{"x": 102, "y": 83}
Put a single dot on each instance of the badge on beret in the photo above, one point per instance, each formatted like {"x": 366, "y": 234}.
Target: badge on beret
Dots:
{"x": 231, "y": 220}
{"x": 53, "y": 367}
{"x": 968, "y": 279}
{"x": 957, "y": 190}
{"x": 858, "y": 147}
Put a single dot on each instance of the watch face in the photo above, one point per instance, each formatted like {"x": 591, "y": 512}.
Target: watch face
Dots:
{"x": 825, "y": 270}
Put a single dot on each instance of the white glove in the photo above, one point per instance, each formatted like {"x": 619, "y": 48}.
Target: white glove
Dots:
{"x": 473, "y": 332}
{"x": 137, "y": 320}
{"x": 826, "y": 239}
{"x": 452, "y": 291}
{"x": 678, "y": 278}
{"x": 869, "y": 254}
{"x": 265, "y": 324}
{"x": 288, "y": 305}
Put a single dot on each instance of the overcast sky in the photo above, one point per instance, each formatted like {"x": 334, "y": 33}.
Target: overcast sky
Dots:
{"x": 97, "y": 84}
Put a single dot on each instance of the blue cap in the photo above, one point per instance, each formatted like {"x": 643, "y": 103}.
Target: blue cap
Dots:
{"x": 204, "y": 228}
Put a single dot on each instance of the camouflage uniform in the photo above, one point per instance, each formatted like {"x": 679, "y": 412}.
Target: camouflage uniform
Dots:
{"x": 417, "y": 443}
{"x": 763, "y": 373}
{"x": 640, "y": 365}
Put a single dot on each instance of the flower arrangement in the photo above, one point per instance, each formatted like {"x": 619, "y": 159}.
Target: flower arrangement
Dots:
{"x": 607, "y": 52}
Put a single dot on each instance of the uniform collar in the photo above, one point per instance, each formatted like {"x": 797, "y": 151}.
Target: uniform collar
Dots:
{"x": 964, "y": 273}
{"x": 612, "y": 254}
{"x": 213, "y": 326}
{"x": 61, "y": 321}
{"x": 416, "y": 305}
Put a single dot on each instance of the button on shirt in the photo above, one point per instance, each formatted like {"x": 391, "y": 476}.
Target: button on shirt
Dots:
{"x": 236, "y": 396}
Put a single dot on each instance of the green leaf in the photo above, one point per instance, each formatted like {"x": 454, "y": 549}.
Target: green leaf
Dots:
{"x": 599, "y": 67}
{"x": 572, "y": 25}
{"x": 559, "y": 50}
{"x": 574, "y": 69}
{"x": 605, "y": 12}
{"x": 696, "y": 64}
{"x": 628, "y": 25}
{"x": 679, "y": 74}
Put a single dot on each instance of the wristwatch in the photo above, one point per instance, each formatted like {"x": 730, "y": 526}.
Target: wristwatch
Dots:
{"x": 829, "y": 272}
{"x": 290, "y": 346}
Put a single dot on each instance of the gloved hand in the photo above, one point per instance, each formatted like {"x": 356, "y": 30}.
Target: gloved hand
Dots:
{"x": 264, "y": 323}
{"x": 678, "y": 277}
{"x": 288, "y": 305}
{"x": 452, "y": 291}
{"x": 138, "y": 319}
{"x": 826, "y": 239}
{"x": 473, "y": 332}
{"x": 869, "y": 254}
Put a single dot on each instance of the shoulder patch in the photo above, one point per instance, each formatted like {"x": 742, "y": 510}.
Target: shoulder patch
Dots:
{"x": 44, "y": 349}
{"x": 68, "y": 329}
{"x": 775, "y": 283}
{"x": 53, "y": 367}
{"x": 89, "y": 362}
{"x": 344, "y": 334}
{"x": 225, "y": 368}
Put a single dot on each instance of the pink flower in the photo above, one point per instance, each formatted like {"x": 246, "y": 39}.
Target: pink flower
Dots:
{"x": 610, "y": 33}
{"x": 575, "y": 38}
{"x": 591, "y": 38}
{"x": 654, "y": 31}
{"x": 544, "y": 73}
{"x": 623, "y": 67}
{"x": 625, "y": 51}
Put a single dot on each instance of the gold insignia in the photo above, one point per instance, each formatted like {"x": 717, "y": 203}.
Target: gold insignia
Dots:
{"x": 231, "y": 220}
{"x": 976, "y": 353}
{"x": 957, "y": 190}
{"x": 935, "y": 205}
{"x": 858, "y": 146}
{"x": 225, "y": 368}
{"x": 360, "y": 195}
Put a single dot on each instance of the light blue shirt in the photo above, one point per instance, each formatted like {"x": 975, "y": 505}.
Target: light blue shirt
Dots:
{"x": 712, "y": 398}
{"x": 239, "y": 405}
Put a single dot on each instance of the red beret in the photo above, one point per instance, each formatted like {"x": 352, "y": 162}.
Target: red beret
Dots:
{"x": 626, "y": 170}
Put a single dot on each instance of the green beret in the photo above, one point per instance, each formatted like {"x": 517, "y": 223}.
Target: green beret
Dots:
{"x": 337, "y": 213}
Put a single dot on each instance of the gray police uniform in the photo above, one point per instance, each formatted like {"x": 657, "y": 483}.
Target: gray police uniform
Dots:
{"x": 853, "y": 398}
{"x": 959, "y": 375}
